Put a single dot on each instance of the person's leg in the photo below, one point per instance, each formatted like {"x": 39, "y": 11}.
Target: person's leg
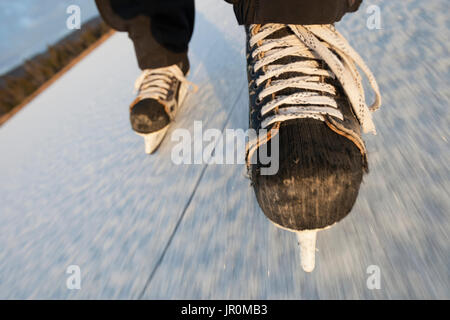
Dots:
{"x": 292, "y": 11}
{"x": 160, "y": 31}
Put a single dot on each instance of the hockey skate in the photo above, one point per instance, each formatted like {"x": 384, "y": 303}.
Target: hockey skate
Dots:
{"x": 305, "y": 87}
{"x": 161, "y": 92}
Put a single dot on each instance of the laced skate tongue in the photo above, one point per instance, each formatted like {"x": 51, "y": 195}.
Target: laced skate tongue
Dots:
{"x": 286, "y": 31}
{"x": 281, "y": 33}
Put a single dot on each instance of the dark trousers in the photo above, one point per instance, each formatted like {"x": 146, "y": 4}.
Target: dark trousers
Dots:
{"x": 161, "y": 30}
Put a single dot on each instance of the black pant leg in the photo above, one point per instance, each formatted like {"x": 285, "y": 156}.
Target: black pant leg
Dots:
{"x": 160, "y": 30}
{"x": 292, "y": 11}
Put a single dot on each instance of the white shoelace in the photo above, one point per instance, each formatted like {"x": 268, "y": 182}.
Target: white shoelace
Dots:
{"x": 319, "y": 42}
{"x": 156, "y": 83}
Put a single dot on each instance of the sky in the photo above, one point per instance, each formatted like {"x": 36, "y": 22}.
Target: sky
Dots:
{"x": 28, "y": 26}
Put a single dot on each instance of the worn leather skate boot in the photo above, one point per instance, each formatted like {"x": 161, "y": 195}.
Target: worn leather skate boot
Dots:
{"x": 304, "y": 86}
{"x": 161, "y": 92}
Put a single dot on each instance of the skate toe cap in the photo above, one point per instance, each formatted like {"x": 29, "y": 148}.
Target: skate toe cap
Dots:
{"x": 318, "y": 179}
{"x": 148, "y": 116}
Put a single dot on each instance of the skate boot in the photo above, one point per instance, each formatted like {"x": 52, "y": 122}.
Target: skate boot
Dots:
{"x": 160, "y": 92}
{"x": 305, "y": 90}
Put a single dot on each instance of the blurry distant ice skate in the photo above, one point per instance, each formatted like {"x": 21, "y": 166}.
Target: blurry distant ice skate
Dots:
{"x": 161, "y": 93}
{"x": 304, "y": 84}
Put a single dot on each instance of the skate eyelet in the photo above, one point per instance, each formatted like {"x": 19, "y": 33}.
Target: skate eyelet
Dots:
{"x": 258, "y": 101}
{"x": 252, "y": 72}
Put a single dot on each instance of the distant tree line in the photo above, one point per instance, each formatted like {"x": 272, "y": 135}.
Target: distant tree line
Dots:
{"x": 22, "y": 81}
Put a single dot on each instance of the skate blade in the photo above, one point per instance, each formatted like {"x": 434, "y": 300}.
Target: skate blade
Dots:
{"x": 153, "y": 140}
{"x": 307, "y": 241}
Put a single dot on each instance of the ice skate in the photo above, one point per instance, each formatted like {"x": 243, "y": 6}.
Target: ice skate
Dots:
{"x": 161, "y": 92}
{"x": 304, "y": 84}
